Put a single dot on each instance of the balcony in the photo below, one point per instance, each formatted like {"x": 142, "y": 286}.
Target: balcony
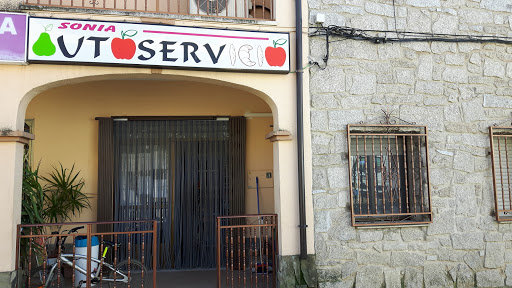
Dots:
{"x": 235, "y": 9}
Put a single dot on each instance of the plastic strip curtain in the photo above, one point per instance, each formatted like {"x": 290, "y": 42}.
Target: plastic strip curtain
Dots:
{"x": 175, "y": 171}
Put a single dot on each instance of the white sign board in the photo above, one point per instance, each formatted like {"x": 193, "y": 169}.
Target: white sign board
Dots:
{"x": 64, "y": 40}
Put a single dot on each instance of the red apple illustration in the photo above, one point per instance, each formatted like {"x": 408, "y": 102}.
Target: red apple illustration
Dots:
{"x": 276, "y": 56}
{"x": 124, "y": 48}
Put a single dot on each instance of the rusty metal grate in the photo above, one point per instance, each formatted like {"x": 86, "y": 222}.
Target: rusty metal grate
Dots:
{"x": 247, "y": 251}
{"x": 244, "y": 9}
{"x": 389, "y": 175}
{"x": 501, "y": 156}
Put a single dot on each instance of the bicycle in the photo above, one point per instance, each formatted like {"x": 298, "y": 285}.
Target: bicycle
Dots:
{"x": 119, "y": 275}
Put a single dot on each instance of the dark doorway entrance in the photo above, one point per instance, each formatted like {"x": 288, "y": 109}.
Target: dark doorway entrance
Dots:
{"x": 182, "y": 173}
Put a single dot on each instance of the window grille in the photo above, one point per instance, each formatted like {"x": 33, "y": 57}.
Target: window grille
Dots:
{"x": 389, "y": 175}
{"x": 501, "y": 155}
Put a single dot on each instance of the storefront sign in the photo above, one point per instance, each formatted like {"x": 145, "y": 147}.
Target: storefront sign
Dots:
{"x": 63, "y": 40}
{"x": 13, "y": 32}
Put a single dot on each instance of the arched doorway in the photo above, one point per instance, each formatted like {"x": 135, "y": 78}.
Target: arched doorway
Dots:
{"x": 66, "y": 125}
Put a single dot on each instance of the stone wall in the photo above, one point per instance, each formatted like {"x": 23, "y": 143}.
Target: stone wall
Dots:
{"x": 458, "y": 90}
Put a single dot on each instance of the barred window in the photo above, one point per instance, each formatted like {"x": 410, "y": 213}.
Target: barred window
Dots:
{"x": 501, "y": 155}
{"x": 389, "y": 181}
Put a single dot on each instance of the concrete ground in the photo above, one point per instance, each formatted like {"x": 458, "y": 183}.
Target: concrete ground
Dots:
{"x": 208, "y": 279}
{"x": 193, "y": 279}
{"x": 189, "y": 279}
{"x": 171, "y": 279}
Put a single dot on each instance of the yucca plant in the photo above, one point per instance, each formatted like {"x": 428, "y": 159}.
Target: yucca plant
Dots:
{"x": 57, "y": 201}
{"x": 33, "y": 199}
{"x": 32, "y": 212}
{"x": 63, "y": 195}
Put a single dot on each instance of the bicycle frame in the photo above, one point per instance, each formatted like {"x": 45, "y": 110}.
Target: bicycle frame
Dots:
{"x": 94, "y": 275}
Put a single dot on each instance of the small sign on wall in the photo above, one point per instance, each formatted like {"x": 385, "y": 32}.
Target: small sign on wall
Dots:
{"x": 265, "y": 179}
{"x": 13, "y": 32}
{"x": 132, "y": 44}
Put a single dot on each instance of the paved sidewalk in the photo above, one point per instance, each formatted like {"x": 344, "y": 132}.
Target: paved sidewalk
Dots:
{"x": 189, "y": 279}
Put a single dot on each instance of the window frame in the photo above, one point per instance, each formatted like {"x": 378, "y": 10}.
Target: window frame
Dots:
{"x": 506, "y": 132}
{"x": 28, "y": 151}
{"x": 416, "y": 136}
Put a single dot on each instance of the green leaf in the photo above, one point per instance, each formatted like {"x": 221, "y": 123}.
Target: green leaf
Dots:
{"x": 63, "y": 194}
{"x": 55, "y": 202}
{"x": 279, "y": 42}
{"x": 127, "y": 34}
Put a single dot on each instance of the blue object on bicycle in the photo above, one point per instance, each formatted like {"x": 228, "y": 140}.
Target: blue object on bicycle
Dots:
{"x": 81, "y": 241}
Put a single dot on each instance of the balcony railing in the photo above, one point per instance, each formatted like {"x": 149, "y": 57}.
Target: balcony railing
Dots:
{"x": 77, "y": 255}
{"x": 242, "y": 9}
{"x": 247, "y": 250}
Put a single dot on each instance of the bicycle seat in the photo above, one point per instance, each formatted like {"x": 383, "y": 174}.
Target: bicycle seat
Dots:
{"x": 109, "y": 243}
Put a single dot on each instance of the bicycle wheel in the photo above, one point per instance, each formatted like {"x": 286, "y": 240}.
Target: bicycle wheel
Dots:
{"x": 36, "y": 280}
{"x": 138, "y": 275}
{"x": 58, "y": 282}
{"x": 37, "y": 277}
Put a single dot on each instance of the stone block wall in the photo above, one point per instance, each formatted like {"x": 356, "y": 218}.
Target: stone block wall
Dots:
{"x": 458, "y": 90}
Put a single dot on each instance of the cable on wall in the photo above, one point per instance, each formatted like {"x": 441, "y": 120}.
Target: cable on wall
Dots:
{"x": 382, "y": 36}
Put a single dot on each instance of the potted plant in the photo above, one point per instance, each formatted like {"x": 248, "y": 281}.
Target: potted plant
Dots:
{"x": 63, "y": 195}
{"x": 57, "y": 200}
{"x": 32, "y": 212}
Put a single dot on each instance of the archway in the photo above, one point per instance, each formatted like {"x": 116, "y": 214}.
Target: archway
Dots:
{"x": 65, "y": 123}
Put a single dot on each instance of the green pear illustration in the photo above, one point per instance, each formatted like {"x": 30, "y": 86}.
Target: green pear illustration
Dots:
{"x": 44, "y": 45}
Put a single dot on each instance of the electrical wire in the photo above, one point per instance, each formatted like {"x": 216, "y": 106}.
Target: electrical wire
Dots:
{"x": 362, "y": 34}
{"x": 381, "y": 36}
{"x": 305, "y": 67}
{"x": 326, "y": 57}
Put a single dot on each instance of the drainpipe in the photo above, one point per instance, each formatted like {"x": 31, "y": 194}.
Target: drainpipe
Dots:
{"x": 300, "y": 130}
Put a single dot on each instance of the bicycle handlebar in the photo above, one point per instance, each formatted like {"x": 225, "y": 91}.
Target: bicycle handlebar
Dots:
{"x": 73, "y": 230}
{"x": 61, "y": 239}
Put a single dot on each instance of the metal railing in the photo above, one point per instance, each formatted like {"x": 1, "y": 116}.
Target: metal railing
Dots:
{"x": 389, "y": 176}
{"x": 41, "y": 247}
{"x": 247, "y": 249}
{"x": 244, "y": 9}
{"x": 501, "y": 156}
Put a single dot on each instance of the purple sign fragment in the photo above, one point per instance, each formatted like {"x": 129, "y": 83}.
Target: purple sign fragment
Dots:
{"x": 13, "y": 32}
